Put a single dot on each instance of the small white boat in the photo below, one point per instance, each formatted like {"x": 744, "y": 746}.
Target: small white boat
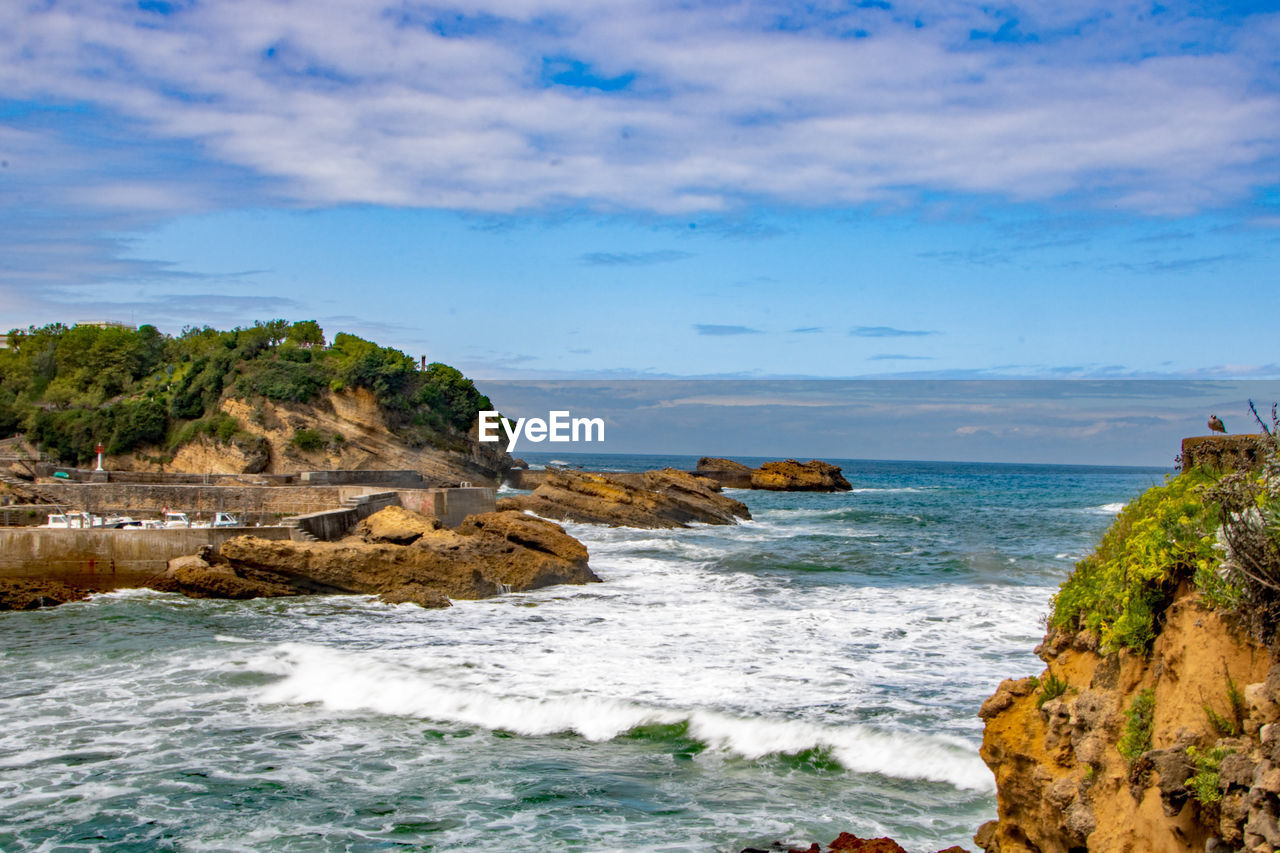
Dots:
{"x": 72, "y": 521}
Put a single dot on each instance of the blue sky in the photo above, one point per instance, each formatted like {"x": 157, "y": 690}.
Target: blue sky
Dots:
{"x": 540, "y": 188}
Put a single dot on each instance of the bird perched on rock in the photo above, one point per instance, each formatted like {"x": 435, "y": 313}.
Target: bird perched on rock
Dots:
{"x": 1215, "y": 424}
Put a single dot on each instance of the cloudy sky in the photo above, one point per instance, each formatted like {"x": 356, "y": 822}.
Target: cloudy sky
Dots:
{"x": 643, "y": 188}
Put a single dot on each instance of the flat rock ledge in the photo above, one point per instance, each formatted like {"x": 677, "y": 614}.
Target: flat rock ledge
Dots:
{"x": 655, "y": 499}
{"x": 786, "y": 476}
{"x": 398, "y": 558}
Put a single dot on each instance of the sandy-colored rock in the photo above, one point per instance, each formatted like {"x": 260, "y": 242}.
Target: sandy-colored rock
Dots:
{"x": 359, "y": 438}
{"x": 493, "y": 553}
{"x": 1062, "y": 784}
{"x": 793, "y": 476}
{"x": 655, "y": 499}
{"x": 395, "y": 525}
{"x": 195, "y": 577}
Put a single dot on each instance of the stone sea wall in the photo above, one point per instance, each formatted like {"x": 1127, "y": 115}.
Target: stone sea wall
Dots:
{"x": 109, "y": 559}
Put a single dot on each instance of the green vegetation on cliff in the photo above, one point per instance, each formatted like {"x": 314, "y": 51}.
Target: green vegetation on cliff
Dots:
{"x": 70, "y": 388}
{"x": 1218, "y": 532}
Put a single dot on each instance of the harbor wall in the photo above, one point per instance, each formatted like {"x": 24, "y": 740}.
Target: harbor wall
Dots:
{"x": 258, "y": 503}
{"x": 109, "y": 559}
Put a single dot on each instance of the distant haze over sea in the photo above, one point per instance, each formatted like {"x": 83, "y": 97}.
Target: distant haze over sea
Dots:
{"x": 1083, "y": 422}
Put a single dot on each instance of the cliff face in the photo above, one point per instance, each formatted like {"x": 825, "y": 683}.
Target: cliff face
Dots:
{"x": 1196, "y": 721}
{"x": 346, "y": 430}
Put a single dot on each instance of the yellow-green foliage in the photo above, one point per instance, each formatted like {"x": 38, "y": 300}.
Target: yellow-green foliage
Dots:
{"x": 1117, "y": 591}
{"x": 1204, "y": 785}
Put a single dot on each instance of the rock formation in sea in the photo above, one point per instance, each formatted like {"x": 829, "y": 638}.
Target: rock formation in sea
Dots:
{"x": 846, "y": 842}
{"x": 786, "y": 476}
{"x": 726, "y": 472}
{"x": 397, "y": 557}
{"x": 654, "y": 499}
{"x": 30, "y": 594}
{"x": 792, "y": 476}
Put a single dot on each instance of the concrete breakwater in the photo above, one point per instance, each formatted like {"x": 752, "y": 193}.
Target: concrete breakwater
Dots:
{"x": 258, "y": 503}
{"x": 102, "y": 560}
{"x": 109, "y": 559}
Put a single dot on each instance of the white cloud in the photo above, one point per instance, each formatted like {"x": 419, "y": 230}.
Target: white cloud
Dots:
{"x": 368, "y": 103}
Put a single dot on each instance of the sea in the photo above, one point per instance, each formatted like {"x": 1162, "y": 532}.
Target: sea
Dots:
{"x": 815, "y": 670}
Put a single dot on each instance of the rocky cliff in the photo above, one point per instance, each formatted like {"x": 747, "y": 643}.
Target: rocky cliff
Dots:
{"x": 337, "y": 430}
{"x": 1155, "y": 725}
{"x": 1121, "y": 751}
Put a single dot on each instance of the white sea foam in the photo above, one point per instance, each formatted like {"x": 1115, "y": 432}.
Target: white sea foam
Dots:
{"x": 864, "y": 489}
{"x": 345, "y": 682}
{"x": 1106, "y": 509}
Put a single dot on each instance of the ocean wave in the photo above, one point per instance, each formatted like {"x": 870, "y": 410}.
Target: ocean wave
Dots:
{"x": 343, "y": 682}
{"x": 863, "y": 489}
{"x": 1106, "y": 509}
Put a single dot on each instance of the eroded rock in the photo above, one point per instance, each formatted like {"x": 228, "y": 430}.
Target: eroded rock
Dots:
{"x": 491, "y": 553}
{"x": 792, "y": 476}
{"x": 656, "y": 499}
{"x": 21, "y": 594}
{"x": 395, "y": 525}
{"x": 726, "y": 472}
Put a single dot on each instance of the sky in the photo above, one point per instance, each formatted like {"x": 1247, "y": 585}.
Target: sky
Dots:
{"x": 631, "y": 189}
{"x": 1045, "y": 421}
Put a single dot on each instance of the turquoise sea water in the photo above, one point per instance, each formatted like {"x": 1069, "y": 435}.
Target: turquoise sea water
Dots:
{"x": 813, "y": 671}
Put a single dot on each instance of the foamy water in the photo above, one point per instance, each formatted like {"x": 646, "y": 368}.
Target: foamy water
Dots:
{"x": 815, "y": 670}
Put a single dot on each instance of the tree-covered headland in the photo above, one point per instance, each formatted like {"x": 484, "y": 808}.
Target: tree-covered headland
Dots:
{"x": 69, "y": 388}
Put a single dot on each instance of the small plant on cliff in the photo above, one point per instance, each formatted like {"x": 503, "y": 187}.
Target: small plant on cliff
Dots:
{"x": 1119, "y": 590}
{"x": 1204, "y": 786}
{"x": 1051, "y": 688}
{"x": 1228, "y": 726}
{"x": 1136, "y": 737}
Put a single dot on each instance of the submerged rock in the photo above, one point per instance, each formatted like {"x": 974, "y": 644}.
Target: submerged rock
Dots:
{"x": 846, "y": 842}
{"x": 491, "y": 553}
{"x": 793, "y": 476}
{"x": 654, "y": 499}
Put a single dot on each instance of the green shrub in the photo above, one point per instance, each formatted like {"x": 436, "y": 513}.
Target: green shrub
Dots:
{"x": 309, "y": 440}
{"x": 1157, "y": 540}
{"x": 283, "y": 380}
{"x": 219, "y": 426}
{"x": 1051, "y": 688}
{"x": 1135, "y": 739}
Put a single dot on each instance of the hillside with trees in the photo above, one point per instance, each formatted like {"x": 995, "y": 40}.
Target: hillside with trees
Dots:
{"x": 143, "y": 393}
